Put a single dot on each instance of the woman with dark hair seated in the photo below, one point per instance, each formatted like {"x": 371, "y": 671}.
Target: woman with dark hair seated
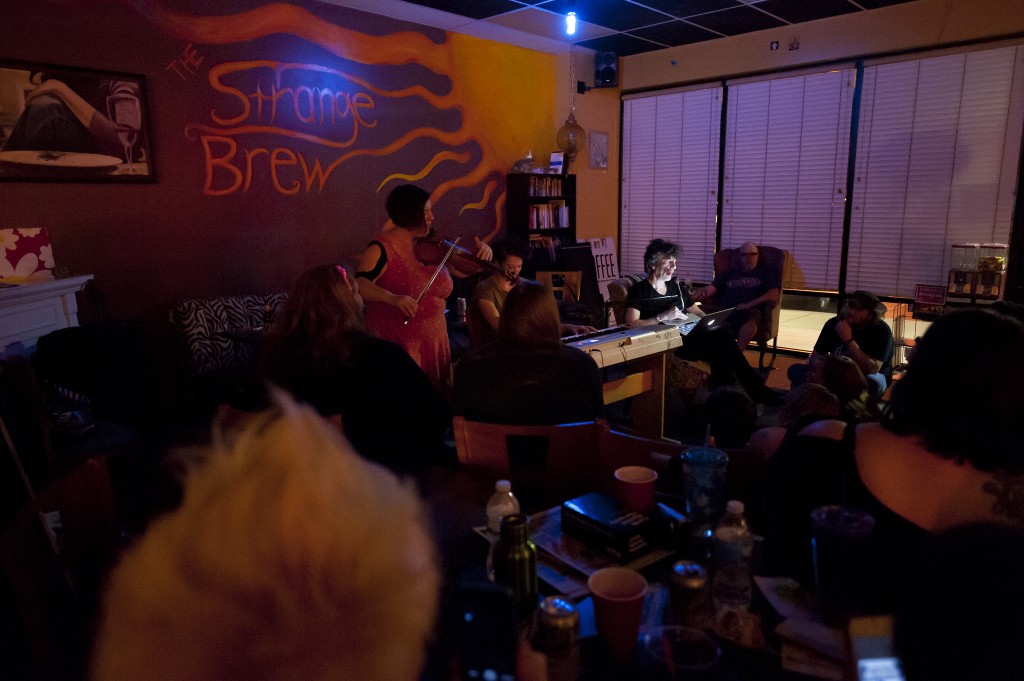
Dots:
{"x": 947, "y": 451}
{"x": 527, "y": 376}
{"x": 319, "y": 351}
{"x": 660, "y": 298}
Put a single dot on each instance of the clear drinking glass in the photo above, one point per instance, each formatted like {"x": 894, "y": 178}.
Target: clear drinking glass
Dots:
{"x": 125, "y": 112}
{"x": 704, "y": 471}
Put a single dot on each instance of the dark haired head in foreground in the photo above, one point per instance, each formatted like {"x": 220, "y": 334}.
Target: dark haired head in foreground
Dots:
{"x": 962, "y": 391}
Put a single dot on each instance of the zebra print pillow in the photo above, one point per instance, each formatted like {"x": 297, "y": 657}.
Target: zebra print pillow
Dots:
{"x": 202, "y": 321}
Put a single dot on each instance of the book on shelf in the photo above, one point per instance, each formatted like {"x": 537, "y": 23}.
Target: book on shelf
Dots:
{"x": 559, "y": 214}
{"x": 545, "y": 186}
{"x": 550, "y": 244}
{"x": 603, "y": 524}
{"x": 550, "y": 215}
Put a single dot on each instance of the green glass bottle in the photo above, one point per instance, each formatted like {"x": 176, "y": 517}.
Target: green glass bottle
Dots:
{"x": 515, "y": 563}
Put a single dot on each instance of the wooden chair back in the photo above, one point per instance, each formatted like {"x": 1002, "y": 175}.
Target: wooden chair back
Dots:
{"x": 55, "y": 556}
{"x": 556, "y": 462}
{"x": 546, "y": 464}
{"x": 619, "y": 449}
{"x": 564, "y": 285}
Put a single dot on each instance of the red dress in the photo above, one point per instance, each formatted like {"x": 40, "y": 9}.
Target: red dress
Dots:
{"x": 425, "y": 337}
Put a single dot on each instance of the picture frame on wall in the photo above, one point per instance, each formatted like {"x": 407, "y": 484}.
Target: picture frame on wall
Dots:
{"x": 63, "y": 124}
{"x": 599, "y": 150}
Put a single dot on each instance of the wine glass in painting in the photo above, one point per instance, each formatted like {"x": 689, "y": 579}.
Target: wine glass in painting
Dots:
{"x": 125, "y": 112}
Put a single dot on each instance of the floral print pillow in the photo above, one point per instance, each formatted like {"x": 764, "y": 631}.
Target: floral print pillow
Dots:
{"x": 25, "y": 255}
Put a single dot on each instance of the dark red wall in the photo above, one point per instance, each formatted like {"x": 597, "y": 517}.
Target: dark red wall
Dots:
{"x": 148, "y": 244}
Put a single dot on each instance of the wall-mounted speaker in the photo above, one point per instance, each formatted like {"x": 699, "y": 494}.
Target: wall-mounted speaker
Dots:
{"x": 606, "y": 69}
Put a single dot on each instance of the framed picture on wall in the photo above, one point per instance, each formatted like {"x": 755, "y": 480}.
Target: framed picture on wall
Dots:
{"x": 599, "y": 150}
{"x": 64, "y": 124}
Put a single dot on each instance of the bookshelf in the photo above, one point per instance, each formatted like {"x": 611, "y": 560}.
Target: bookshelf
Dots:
{"x": 541, "y": 209}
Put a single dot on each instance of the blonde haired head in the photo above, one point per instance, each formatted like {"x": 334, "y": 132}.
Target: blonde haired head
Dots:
{"x": 290, "y": 558}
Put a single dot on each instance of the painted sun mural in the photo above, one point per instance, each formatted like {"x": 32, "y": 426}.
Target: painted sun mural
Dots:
{"x": 384, "y": 108}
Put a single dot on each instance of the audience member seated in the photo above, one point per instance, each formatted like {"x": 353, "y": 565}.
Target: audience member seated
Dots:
{"x": 290, "y": 557}
{"x": 484, "y": 310}
{"x": 860, "y": 333}
{"x": 320, "y": 351}
{"x": 946, "y": 453}
{"x": 731, "y": 417}
{"x": 747, "y": 286}
{"x": 961, "y": 611}
{"x": 841, "y": 377}
{"x": 804, "y": 405}
{"x": 527, "y": 376}
{"x": 660, "y": 298}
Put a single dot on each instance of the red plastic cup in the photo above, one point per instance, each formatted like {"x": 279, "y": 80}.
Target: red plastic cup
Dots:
{"x": 634, "y": 487}
{"x": 618, "y": 595}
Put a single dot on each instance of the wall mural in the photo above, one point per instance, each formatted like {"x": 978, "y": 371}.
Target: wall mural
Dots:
{"x": 375, "y": 107}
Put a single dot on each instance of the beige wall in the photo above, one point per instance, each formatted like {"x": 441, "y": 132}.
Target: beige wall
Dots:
{"x": 597, "y": 205}
{"x": 912, "y": 25}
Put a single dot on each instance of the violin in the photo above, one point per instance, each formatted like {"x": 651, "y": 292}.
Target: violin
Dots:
{"x": 431, "y": 250}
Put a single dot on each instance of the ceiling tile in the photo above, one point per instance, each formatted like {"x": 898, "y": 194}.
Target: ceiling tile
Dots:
{"x": 674, "y": 33}
{"x": 621, "y": 44}
{"x": 617, "y": 14}
{"x": 549, "y": 25}
{"x": 735, "y": 21}
{"x": 649, "y": 24}
{"x": 474, "y": 9}
{"x": 795, "y": 11}
{"x": 873, "y": 4}
{"x": 689, "y": 8}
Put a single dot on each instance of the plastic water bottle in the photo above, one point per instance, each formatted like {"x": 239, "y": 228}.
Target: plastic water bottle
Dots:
{"x": 731, "y": 589}
{"x": 501, "y": 504}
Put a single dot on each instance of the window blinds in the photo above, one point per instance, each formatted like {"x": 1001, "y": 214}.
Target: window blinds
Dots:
{"x": 670, "y": 177}
{"x": 938, "y": 148}
{"x": 936, "y": 165}
{"x": 786, "y": 151}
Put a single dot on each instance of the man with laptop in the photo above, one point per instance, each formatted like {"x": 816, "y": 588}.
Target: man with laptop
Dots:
{"x": 660, "y": 299}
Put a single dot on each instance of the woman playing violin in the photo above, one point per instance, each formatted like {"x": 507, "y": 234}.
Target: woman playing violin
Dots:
{"x": 403, "y": 305}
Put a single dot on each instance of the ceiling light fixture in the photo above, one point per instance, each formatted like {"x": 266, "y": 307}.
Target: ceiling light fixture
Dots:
{"x": 570, "y": 19}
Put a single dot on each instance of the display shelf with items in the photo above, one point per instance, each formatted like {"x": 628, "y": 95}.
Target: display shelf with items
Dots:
{"x": 541, "y": 207}
{"x": 963, "y": 270}
{"x": 991, "y": 271}
{"x": 977, "y": 272}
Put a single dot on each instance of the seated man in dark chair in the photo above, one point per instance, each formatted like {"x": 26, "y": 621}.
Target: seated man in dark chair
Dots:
{"x": 750, "y": 286}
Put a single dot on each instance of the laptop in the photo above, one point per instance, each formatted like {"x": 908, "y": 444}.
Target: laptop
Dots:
{"x": 693, "y": 323}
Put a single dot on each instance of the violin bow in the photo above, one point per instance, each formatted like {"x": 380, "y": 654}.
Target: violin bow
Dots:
{"x": 437, "y": 271}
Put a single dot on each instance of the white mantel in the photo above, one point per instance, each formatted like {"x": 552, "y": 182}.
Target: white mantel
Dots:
{"x": 31, "y": 310}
